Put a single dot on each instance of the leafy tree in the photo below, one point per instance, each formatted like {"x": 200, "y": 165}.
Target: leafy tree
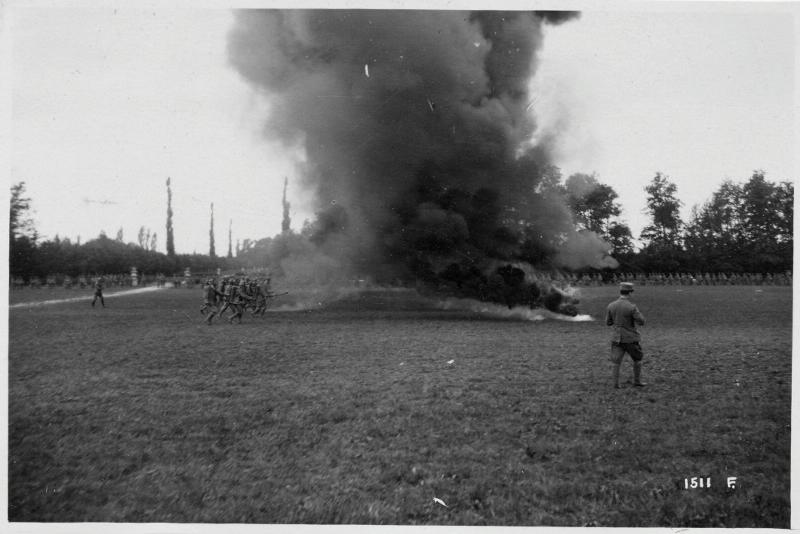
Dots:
{"x": 743, "y": 227}
{"x": 593, "y": 203}
{"x": 261, "y": 253}
{"x": 664, "y": 210}
{"x": 662, "y": 251}
{"x": 22, "y": 234}
{"x": 785, "y": 211}
{"x": 542, "y": 219}
{"x": 119, "y": 235}
{"x": 20, "y": 223}
{"x": 620, "y": 237}
{"x": 550, "y": 181}
{"x": 758, "y": 208}
{"x": 713, "y": 238}
{"x": 764, "y": 216}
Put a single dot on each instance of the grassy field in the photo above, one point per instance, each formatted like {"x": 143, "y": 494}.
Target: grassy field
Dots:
{"x": 351, "y": 412}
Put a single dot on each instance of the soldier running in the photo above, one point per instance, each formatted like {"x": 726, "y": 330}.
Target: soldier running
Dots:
{"x": 260, "y": 298}
{"x": 211, "y": 296}
{"x": 228, "y": 289}
{"x": 266, "y": 288}
{"x": 240, "y": 300}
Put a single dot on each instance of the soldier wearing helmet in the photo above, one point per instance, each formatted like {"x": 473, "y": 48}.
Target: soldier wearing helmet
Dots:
{"x": 241, "y": 298}
{"x": 211, "y": 296}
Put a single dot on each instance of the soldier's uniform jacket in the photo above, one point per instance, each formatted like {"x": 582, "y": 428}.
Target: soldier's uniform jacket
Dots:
{"x": 229, "y": 291}
{"x": 242, "y": 294}
{"x": 211, "y": 293}
{"x": 623, "y": 315}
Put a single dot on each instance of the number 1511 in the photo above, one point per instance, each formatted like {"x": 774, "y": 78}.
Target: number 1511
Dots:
{"x": 696, "y": 482}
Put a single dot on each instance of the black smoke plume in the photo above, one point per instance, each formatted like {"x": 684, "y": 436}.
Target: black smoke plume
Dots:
{"x": 417, "y": 132}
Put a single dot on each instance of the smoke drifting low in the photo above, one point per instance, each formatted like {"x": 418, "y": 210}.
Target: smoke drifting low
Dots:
{"x": 417, "y": 129}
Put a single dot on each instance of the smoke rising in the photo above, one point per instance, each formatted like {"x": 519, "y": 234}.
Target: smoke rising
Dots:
{"x": 417, "y": 129}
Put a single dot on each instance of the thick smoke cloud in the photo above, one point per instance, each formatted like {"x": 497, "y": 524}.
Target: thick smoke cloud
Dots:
{"x": 416, "y": 128}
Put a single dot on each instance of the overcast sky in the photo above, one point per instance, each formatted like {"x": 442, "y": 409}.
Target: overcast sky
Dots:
{"x": 700, "y": 97}
{"x": 109, "y": 103}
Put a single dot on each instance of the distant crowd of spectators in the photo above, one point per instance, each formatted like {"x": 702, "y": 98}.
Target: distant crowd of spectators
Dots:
{"x": 670, "y": 279}
{"x": 82, "y": 282}
{"x": 586, "y": 279}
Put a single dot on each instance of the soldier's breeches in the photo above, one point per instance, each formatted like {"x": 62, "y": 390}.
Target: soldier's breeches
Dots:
{"x": 618, "y": 350}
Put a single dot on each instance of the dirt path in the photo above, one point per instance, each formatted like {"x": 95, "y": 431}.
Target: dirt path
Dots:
{"x": 123, "y": 293}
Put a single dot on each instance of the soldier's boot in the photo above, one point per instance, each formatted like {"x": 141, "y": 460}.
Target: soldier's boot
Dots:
{"x": 616, "y": 375}
{"x": 637, "y": 374}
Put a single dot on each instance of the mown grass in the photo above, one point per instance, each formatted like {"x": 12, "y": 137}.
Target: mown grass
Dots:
{"x": 351, "y": 413}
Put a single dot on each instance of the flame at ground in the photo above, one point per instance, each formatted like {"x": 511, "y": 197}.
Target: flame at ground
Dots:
{"x": 519, "y": 312}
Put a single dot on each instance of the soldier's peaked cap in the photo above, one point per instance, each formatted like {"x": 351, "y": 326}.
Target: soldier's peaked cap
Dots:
{"x": 626, "y": 286}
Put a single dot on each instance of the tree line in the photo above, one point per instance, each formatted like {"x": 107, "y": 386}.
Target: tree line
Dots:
{"x": 31, "y": 257}
{"x": 743, "y": 227}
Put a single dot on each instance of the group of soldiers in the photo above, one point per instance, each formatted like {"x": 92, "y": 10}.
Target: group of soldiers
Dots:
{"x": 237, "y": 295}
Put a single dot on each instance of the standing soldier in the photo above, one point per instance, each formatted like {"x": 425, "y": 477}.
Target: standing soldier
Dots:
{"x": 623, "y": 315}
{"x": 98, "y": 291}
